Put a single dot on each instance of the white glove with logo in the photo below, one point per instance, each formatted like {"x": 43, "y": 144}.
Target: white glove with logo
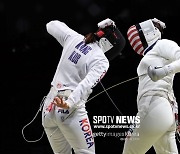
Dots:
{"x": 105, "y": 23}
{"x": 157, "y": 73}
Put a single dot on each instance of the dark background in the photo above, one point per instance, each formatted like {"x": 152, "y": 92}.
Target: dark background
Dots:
{"x": 29, "y": 56}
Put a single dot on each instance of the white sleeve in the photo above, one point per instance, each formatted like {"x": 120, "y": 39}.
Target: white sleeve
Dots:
{"x": 175, "y": 66}
{"x": 171, "y": 51}
{"x": 84, "y": 88}
{"x": 60, "y": 31}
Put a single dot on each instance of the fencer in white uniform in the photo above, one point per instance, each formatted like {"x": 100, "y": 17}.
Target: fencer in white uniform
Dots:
{"x": 82, "y": 65}
{"x": 157, "y": 106}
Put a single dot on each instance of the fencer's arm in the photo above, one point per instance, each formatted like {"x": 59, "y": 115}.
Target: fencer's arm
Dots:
{"x": 60, "y": 31}
{"x": 84, "y": 88}
{"x": 170, "y": 51}
{"x": 157, "y": 73}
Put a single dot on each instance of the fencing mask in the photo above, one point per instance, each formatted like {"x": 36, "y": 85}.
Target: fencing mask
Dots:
{"x": 110, "y": 39}
{"x": 143, "y": 35}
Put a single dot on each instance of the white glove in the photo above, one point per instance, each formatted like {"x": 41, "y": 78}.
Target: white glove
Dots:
{"x": 157, "y": 73}
{"x": 105, "y": 23}
{"x": 163, "y": 25}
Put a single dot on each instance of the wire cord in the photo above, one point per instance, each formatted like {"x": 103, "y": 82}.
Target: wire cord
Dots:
{"x": 110, "y": 98}
{"x": 104, "y": 90}
{"x": 40, "y": 108}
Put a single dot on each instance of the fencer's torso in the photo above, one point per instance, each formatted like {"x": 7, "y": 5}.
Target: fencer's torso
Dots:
{"x": 81, "y": 65}
{"x": 163, "y": 53}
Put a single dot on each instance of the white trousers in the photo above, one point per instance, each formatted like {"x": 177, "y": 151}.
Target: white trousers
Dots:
{"x": 157, "y": 128}
{"x": 74, "y": 132}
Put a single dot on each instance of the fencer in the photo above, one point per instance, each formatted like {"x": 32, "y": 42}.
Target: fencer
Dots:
{"x": 157, "y": 106}
{"x": 83, "y": 63}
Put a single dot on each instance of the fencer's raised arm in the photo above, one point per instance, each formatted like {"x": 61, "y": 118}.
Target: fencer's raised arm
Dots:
{"x": 170, "y": 51}
{"x": 60, "y": 31}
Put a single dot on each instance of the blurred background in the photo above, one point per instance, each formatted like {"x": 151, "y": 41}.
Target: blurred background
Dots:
{"x": 29, "y": 56}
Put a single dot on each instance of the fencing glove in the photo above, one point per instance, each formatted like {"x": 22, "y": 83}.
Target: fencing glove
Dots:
{"x": 105, "y": 23}
{"x": 156, "y": 73}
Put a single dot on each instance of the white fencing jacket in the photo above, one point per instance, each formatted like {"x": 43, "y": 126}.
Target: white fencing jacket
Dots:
{"x": 80, "y": 67}
{"x": 164, "y": 52}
